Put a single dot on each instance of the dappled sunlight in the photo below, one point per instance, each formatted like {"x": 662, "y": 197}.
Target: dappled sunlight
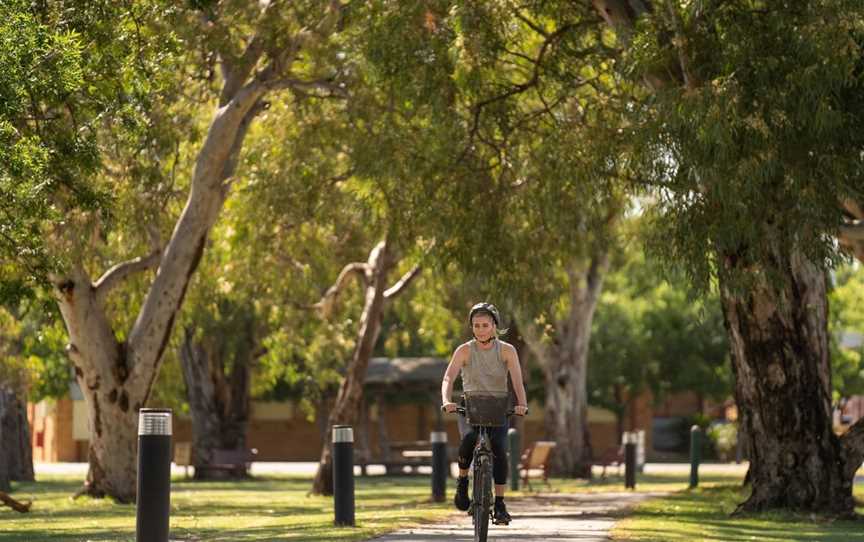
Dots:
{"x": 704, "y": 514}
{"x": 269, "y": 509}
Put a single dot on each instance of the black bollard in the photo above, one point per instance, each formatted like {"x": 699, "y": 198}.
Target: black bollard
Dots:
{"x": 154, "y": 475}
{"x": 629, "y": 460}
{"x": 513, "y": 446}
{"x": 440, "y": 465}
{"x": 695, "y": 454}
{"x": 343, "y": 475}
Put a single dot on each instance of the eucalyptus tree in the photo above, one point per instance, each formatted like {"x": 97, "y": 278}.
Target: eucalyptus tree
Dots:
{"x": 533, "y": 212}
{"x": 142, "y": 54}
{"x": 749, "y": 128}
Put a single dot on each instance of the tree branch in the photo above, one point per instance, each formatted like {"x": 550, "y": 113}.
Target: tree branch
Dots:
{"x": 328, "y": 301}
{"x": 403, "y": 282}
{"x": 310, "y": 87}
{"x": 852, "y": 232}
{"x": 116, "y": 274}
{"x": 533, "y": 339}
{"x": 854, "y": 208}
{"x": 13, "y": 504}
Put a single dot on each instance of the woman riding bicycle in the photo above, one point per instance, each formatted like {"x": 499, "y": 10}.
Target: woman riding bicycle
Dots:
{"x": 484, "y": 363}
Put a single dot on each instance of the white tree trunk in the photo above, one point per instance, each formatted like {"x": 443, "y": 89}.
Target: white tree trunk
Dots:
{"x": 117, "y": 378}
{"x": 347, "y": 406}
{"x": 565, "y": 367}
{"x": 349, "y": 401}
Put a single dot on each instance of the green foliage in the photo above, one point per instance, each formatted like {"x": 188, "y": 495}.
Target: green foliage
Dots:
{"x": 760, "y": 148}
{"x": 32, "y": 347}
{"x": 81, "y": 86}
{"x": 49, "y": 368}
{"x": 653, "y": 335}
{"x": 846, "y": 303}
{"x": 724, "y": 436}
{"x": 39, "y": 67}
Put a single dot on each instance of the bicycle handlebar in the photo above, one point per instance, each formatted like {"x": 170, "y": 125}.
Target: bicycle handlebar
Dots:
{"x": 461, "y": 410}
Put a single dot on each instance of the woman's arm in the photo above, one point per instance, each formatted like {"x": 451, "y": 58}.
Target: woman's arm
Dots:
{"x": 456, "y": 363}
{"x": 515, "y": 369}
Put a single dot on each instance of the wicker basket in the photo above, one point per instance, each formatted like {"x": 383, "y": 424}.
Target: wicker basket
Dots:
{"x": 486, "y": 408}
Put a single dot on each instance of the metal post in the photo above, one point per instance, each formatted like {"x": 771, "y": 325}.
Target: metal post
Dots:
{"x": 514, "y": 447}
{"x": 630, "y": 460}
{"x": 343, "y": 475}
{"x": 695, "y": 454}
{"x": 154, "y": 475}
{"x": 440, "y": 465}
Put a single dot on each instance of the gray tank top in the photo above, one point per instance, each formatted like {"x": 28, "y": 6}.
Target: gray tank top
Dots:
{"x": 485, "y": 370}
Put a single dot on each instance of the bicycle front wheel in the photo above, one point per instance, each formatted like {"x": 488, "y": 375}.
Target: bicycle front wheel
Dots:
{"x": 482, "y": 497}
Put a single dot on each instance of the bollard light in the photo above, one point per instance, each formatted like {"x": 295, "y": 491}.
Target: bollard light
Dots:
{"x": 343, "y": 475}
{"x": 154, "y": 475}
{"x": 630, "y": 460}
{"x": 514, "y": 447}
{"x": 440, "y": 465}
{"x": 695, "y": 454}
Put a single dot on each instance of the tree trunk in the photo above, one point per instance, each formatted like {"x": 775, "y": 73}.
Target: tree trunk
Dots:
{"x": 348, "y": 400}
{"x": 219, "y": 406}
{"x": 778, "y": 336}
{"x": 117, "y": 378}
{"x": 5, "y": 407}
{"x": 565, "y": 369}
{"x": 16, "y": 451}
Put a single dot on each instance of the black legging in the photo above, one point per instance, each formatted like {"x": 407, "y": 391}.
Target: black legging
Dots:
{"x": 498, "y": 440}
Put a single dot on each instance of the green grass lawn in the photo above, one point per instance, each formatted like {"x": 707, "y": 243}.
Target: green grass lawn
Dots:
{"x": 704, "y": 515}
{"x": 270, "y": 509}
{"x": 278, "y": 509}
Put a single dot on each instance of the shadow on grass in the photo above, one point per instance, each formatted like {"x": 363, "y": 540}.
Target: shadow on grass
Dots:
{"x": 265, "y": 508}
{"x": 705, "y": 514}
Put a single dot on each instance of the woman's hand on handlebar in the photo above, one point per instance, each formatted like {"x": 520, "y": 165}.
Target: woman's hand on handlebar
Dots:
{"x": 449, "y": 407}
{"x": 520, "y": 410}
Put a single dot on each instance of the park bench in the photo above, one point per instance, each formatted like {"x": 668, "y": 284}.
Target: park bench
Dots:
{"x": 235, "y": 462}
{"x": 408, "y": 454}
{"x": 183, "y": 456}
{"x": 401, "y": 457}
{"x": 535, "y": 462}
{"x": 224, "y": 462}
{"x": 611, "y": 457}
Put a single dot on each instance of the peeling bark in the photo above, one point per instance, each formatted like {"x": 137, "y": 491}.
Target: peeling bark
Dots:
{"x": 781, "y": 364}
{"x": 778, "y": 336}
{"x": 117, "y": 378}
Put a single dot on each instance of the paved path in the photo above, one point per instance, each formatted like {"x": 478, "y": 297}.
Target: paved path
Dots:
{"x": 585, "y": 517}
{"x": 265, "y": 468}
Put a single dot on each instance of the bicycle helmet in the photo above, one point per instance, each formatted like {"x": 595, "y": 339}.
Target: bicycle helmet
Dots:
{"x": 485, "y": 308}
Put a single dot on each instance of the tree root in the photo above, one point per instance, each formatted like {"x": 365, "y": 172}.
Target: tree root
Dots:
{"x": 88, "y": 490}
{"x": 15, "y": 505}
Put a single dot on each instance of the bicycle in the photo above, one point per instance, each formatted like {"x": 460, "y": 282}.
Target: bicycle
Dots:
{"x": 484, "y": 412}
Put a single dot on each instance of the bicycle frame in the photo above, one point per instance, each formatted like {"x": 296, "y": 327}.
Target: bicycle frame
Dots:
{"x": 482, "y": 460}
{"x": 481, "y": 505}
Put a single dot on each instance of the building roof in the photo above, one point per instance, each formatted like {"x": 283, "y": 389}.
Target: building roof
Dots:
{"x": 395, "y": 371}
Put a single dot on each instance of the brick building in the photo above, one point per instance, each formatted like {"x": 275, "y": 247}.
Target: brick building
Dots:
{"x": 402, "y": 404}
